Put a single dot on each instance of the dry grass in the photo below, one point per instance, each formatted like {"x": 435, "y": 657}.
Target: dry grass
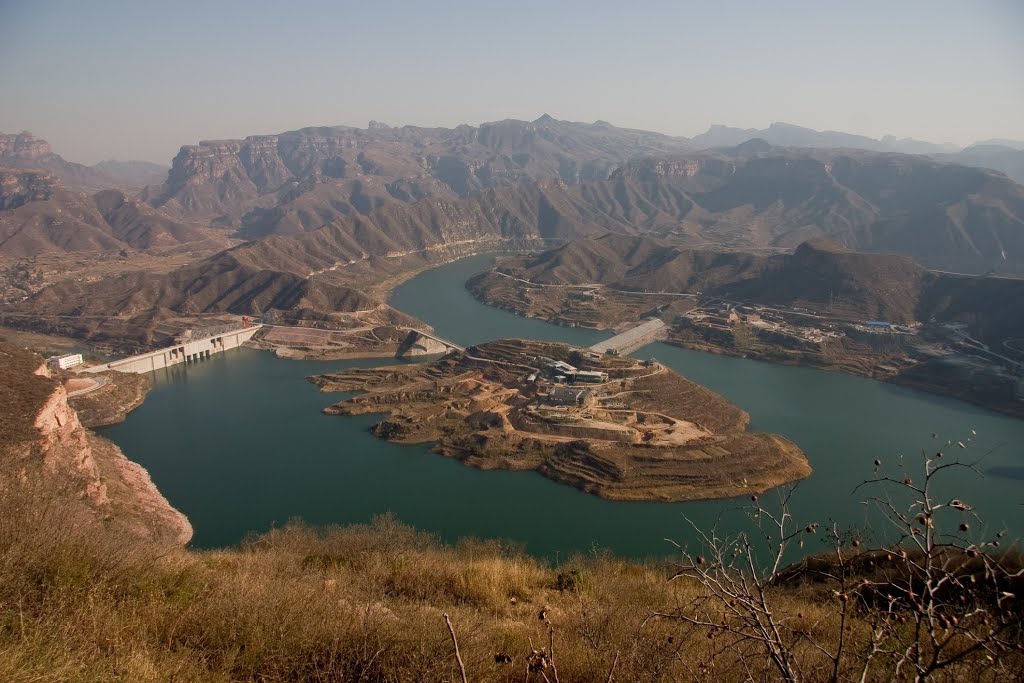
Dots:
{"x": 360, "y": 603}
{"x": 348, "y": 604}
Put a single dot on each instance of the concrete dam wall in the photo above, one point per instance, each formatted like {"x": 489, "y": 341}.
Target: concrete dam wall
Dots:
{"x": 184, "y": 352}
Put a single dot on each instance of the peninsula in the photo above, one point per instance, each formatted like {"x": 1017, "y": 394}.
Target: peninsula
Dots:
{"x": 614, "y": 426}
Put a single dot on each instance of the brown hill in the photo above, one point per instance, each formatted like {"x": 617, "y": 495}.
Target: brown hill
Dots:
{"x": 39, "y": 215}
{"x": 818, "y": 275}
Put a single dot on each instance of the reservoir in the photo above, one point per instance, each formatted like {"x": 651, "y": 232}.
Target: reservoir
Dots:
{"x": 238, "y": 444}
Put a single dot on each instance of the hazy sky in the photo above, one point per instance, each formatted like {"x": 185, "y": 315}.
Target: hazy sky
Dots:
{"x": 138, "y": 79}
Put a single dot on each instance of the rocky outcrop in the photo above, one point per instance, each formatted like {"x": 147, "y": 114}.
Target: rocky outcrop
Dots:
{"x": 24, "y": 150}
{"x": 25, "y": 146}
{"x": 653, "y": 169}
{"x": 19, "y": 187}
{"x": 64, "y": 446}
{"x": 45, "y": 450}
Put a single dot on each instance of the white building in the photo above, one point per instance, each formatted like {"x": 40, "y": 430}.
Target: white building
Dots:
{"x": 66, "y": 361}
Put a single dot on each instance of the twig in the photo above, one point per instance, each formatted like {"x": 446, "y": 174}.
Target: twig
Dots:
{"x": 612, "y": 670}
{"x": 455, "y": 642}
{"x": 551, "y": 652}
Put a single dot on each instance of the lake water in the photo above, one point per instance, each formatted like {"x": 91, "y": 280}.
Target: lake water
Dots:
{"x": 238, "y": 443}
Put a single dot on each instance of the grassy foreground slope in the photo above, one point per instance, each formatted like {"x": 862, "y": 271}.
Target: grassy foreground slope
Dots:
{"x": 368, "y": 603}
{"x": 85, "y": 600}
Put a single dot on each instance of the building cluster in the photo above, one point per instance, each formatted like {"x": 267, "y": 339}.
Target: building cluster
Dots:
{"x": 561, "y": 372}
{"x": 725, "y": 317}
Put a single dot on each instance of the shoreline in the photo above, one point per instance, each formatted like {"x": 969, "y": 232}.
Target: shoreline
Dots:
{"x": 646, "y": 434}
{"x": 923, "y": 383}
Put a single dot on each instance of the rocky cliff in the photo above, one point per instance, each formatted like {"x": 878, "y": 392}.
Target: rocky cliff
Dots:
{"x": 21, "y": 186}
{"x": 25, "y": 146}
{"x": 76, "y": 475}
{"x": 303, "y": 179}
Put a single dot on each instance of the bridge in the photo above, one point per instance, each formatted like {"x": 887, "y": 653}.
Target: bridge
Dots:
{"x": 630, "y": 340}
{"x": 190, "y": 351}
{"x": 420, "y": 343}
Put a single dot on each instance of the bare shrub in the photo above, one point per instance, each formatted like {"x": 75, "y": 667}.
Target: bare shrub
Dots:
{"x": 932, "y": 600}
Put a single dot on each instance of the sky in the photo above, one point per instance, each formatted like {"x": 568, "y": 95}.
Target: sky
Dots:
{"x": 136, "y": 80}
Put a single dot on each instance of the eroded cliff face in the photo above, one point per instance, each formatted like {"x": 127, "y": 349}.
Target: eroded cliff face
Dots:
{"x": 653, "y": 169}
{"x": 301, "y": 180}
{"x": 23, "y": 146}
{"x": 45, "y": 450}
{"x": 65, "y": 450}
{"x": 19, "y": 187}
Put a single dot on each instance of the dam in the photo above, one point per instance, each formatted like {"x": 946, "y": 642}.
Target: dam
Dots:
{"x": 187, "y": 349}
{"x": 630, "y": 340}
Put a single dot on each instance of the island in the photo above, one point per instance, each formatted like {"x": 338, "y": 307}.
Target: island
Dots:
{"x": 614, "y": 426}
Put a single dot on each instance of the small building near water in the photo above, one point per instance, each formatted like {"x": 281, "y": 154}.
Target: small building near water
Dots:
{"x": 68, "y": 360}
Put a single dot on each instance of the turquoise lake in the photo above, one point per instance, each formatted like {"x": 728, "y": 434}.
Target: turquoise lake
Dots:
{"x": 238, "y": 443}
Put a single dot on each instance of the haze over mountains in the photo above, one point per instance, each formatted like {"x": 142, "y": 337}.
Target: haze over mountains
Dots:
{"x": 788, "y": 135}
{"x": 1005, "y": 156}
{"x": 347, "y": 208}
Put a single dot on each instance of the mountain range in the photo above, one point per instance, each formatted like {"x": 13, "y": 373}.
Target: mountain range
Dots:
{"x": 753, "y": 198}
{"x": 303, "y": 179}
{"x": 352, "y": 208}
{"x": 788, "y": 135}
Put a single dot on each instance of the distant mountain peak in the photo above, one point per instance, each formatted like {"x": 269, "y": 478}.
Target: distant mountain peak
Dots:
{"x": 782, "y": 125}
{"x": 782, "y": 134}
{"x": 752, "y": 146}
{"x": 377, "y": 125}
{"x": 546, "y": 118}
